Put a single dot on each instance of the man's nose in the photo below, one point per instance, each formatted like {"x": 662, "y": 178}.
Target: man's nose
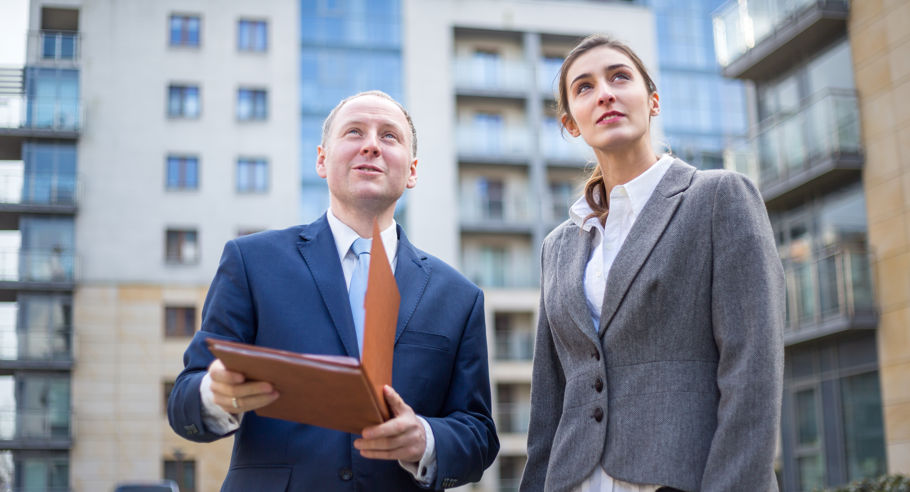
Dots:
{"x": 371, "y": 146}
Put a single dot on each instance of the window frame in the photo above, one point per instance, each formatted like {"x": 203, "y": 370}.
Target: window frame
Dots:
{"x": 249, "y": 44}
{"x": 185, "y": 31}
{"x": 182, "y": 235}
{"x": 259, "y": 106}
{"x": 251, "y": 163}
{"x": 184, "y": 90}
{"x": 182, "y": 161}
{"x": 184, "y": 317}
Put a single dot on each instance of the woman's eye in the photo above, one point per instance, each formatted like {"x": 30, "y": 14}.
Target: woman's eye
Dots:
{"x": 622, "y": 75}
{"x": 581, "y": 88}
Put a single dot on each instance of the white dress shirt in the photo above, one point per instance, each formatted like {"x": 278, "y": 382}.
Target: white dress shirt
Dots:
{"x": 219, "y": 421}
{"x": 626, "y": 203}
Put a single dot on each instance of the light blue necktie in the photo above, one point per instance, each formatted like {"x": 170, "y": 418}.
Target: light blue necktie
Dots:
{"x": 358, "y": 290}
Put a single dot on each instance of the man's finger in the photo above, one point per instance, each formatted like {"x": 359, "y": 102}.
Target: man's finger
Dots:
{"x": 396, "y": 404}
{"x": 218, "y": 372}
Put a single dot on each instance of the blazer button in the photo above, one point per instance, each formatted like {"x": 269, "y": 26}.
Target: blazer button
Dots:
{"x": 345, "y": 474}
{"x": 598, "y": 385}
{"x": 598, "y": 414}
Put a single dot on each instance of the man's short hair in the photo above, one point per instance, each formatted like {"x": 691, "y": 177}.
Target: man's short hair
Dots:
{"x": 327, "y": 124}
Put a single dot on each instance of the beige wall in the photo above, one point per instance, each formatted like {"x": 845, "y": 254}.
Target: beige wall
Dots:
{"x": 880, "y": 40}
{"x": 123, "y": 359}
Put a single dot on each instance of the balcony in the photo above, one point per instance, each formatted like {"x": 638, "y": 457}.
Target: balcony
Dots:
{"x": 565, "y": 151}
{"x": 513, "y": 417}
{"x": 499, "y": 267}
{"x": 58, "y": 48}
{"x": 35, "y": 429}
{"x": 510, "y": 214}
{"x": 481, "y": 77}
{"x": 39, "y": 116}
{"x": 484, "y": 145}
{"x": 514, "y": 345}
{"x": 52, "y": 193}
{"x": 759, "y": 39}
{"x": 797, "y": 154}
{"x": 40, "y": 347}
{"x": 36, "y": 269}
{"x": 829, "y": 295}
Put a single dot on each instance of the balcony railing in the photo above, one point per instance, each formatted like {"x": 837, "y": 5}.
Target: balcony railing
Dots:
{"x": 17, "y": 188}
{"x": 501, "y": 76}
{"x": 57, "y": 46}
{"x": 495, "y": 268}
{"x": 788, "y": 145}
{"x": 61, "y": 114}
{"x": 835, "y": 286}
{"x": 36, "y": 265}
{"x": 513, "y": 418}
{"x": 45, "y": 424}
{"x": 568, "y": 149}
{"x": 742, "y": 25}
{"x": 514, "y": 345}
{"x": 510, "y": 143}
{"x": 476, "y": 208}
{"x": 36, "y": 344}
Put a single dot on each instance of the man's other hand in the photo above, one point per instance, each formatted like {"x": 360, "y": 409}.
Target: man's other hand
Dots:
{"x": 234, "y": 394}
{"x": 401, "y": 438}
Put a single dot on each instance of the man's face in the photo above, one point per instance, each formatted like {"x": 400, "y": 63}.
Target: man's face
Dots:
{"x": 366, "y": 159}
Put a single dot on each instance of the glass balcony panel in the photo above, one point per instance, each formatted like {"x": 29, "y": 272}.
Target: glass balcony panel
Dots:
{"x": 482, "y": 73}
{"x": 36, "y": 266}
{"x": 35, "y": 345}
{"x": 34, "y": 424}
{"x": 513, "y": 418}
{"x": 498, "y": 267}
{"x": 509, "y": 142}
{"x": 828, "y": 286}
{"x": 793, "y": 144}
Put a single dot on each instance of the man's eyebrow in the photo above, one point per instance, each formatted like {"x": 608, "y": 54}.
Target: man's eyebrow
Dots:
{"x": 610, "y": 68}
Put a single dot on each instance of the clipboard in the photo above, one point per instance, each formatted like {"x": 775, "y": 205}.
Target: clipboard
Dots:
{"x": 336, "y": 392}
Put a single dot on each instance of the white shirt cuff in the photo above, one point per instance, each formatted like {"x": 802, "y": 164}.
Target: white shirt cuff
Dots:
{"x": 424, "y": 471}
{"x": 216, "y": 420}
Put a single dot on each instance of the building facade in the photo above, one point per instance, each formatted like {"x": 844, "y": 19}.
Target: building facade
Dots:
{"x": 815, "y": 151}
{"x": 148, "y": 134}
{"x": 495, "y": 173}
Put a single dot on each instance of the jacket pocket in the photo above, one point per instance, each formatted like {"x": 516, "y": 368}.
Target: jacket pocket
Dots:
{"x": 246, "y": 478}
{"x": 424, "y": 339}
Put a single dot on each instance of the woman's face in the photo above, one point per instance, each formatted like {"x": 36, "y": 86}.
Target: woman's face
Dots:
{"x": 608, "y": 101}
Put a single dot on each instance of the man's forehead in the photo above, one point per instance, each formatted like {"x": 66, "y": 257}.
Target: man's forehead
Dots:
{"x": 370, "y": 107}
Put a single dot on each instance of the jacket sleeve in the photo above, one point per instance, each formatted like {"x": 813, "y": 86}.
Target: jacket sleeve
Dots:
{"x": 227, "y": 315}
{"x": 748, "y": 295}
{"x": 465, "y": 435}
{"x": 547, "y": 390}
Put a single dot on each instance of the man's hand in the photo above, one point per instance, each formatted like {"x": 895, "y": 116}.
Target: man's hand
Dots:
{"x": 235, "y": 395}
{"x": 402, "y": 438}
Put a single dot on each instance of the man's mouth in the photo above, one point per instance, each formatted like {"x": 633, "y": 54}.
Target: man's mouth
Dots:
{"x": 609, "y": 117}
{"x": 368, "y": 168}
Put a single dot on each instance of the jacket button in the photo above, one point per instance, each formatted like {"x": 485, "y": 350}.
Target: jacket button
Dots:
{"x": 345, "y": 474}
{"x": 598, "y": 414}
{"x": 599, "y": 385}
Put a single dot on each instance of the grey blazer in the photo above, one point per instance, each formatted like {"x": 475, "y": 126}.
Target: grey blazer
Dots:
{"x": 681, "y": 385}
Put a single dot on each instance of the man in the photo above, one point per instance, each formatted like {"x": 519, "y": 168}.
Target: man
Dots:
{"x": 289, "y": 290}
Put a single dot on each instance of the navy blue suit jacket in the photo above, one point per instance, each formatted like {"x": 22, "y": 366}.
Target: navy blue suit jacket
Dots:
{"x": 285, "y": 289}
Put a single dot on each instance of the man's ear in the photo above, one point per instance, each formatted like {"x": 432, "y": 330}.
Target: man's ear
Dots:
{"x": 320, "y": 161}
{"x": 569, "y": 124}
{"x": 412, "y": 177}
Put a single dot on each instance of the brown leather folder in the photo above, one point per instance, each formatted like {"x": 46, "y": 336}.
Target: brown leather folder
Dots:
{"x": 336, "y": 392}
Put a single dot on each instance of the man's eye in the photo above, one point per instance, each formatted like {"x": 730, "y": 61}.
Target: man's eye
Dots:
{"x": 390, "y": 135}
{"x": 354, "y": 131}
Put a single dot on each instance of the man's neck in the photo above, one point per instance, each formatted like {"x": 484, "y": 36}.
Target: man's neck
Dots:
{"x": 362, "y": 220}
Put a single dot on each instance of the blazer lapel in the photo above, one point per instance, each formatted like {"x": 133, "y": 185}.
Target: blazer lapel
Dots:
{"x": 648, "y": 228}
{"x": 572, "y": 259}
{"x": 317, "y": 246}
{"x": 412, "y": 276}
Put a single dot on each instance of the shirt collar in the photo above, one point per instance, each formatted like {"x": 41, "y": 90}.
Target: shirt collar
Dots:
{"x": 345, "y": 236}
{"x": 639, "y": 190}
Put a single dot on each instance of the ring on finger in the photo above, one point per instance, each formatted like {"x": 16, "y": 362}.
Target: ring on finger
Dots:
{"x": 234, "y": 402}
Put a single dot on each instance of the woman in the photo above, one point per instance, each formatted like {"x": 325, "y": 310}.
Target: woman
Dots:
{"x": 659, "y": 355}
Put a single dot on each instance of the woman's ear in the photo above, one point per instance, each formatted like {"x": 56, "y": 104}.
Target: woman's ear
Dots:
{"x": 654, "y": 102}
{"x": 569, "y": 124}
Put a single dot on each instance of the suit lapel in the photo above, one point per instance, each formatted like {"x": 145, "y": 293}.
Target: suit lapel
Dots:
{"x": 412, "y": 276}
{"x": 572, "y": 259}
{"x": 648, "y": 228}
{"x": 317, "y": 246}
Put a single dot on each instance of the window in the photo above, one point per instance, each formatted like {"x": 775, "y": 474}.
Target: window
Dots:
{"x": 184, "y": 30}
{"x": 167, "y": 386}
{"x": 183, "y": 101}
{"x": 252, "y": 175}
{"x": 182, "y": 173}
{"x": 252, "y": 104}
{"x": 252, "y": 35}
{"x": 179, "y": 321}
{"x": 183, "y": 472}
{"x": 492, "y": 198}
{"x": 181, "y": 246}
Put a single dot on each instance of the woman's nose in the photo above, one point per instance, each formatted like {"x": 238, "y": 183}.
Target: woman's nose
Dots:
{"x": 606, "y": 95}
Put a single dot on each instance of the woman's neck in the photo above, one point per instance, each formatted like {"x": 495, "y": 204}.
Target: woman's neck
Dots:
{"x": 624, "y": 165}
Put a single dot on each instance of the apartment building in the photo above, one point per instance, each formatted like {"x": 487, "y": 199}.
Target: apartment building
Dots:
{"x": 495, "y": 174}
{"x": 137, "y": 139}
{"x": 819, "y": 151}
